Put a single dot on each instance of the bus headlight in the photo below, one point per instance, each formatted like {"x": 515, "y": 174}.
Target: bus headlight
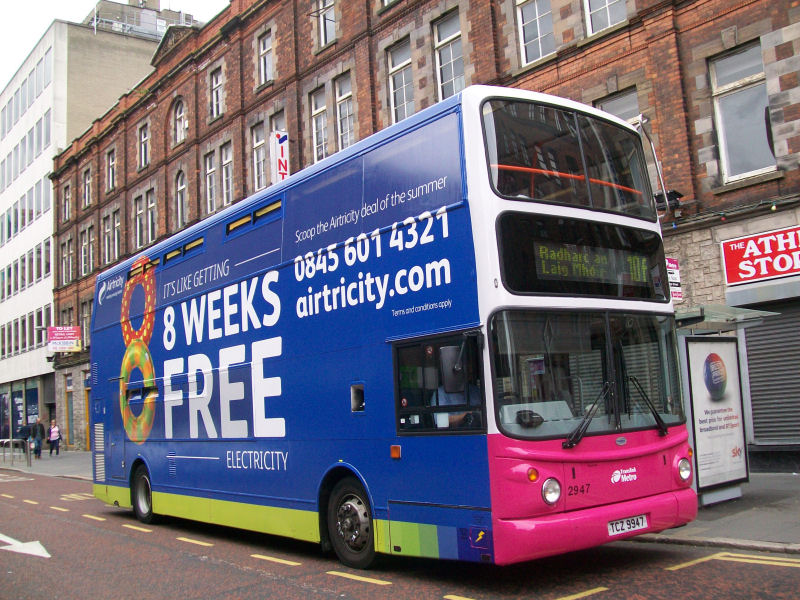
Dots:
{"x": 551, "y": 491}
{"x": 684, "y": 469}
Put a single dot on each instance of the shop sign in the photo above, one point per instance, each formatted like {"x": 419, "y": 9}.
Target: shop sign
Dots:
{"x": 762, "y": 256}
{"x": 674, "y": 277}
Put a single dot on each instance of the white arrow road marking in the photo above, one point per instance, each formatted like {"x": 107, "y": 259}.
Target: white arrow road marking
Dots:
{"x": 32, "y": 548}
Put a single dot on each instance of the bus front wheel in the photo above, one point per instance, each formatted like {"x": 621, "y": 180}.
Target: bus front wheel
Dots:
{"x": 142, "y": 495}
{"x": 350, "y": 524}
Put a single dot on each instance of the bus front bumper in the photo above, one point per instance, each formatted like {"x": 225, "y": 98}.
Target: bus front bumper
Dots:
{"x": 518, "y": 540}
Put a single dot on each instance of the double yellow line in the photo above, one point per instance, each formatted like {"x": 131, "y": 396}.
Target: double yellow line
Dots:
{"x": 753, "y": 559}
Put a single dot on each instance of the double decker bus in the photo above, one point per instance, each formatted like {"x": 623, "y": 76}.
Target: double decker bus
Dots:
{"x": 453, "y": 340}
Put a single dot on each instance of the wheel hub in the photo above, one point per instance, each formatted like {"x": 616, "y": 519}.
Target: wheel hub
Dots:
{"x": 352, "y": 523}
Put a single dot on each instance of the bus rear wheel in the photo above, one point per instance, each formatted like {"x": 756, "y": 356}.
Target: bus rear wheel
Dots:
{"x": 142, "y": 495}
{"x": 350, "y": 524}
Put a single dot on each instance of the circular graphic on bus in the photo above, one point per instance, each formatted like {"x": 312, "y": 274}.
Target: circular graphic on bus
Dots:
{"x": 715, "y": 376}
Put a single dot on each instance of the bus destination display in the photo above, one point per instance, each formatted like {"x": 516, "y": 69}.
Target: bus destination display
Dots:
{"x": 587, "y": 264}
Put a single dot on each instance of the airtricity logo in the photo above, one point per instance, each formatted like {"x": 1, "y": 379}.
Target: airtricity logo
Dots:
{"x": 111, "y": 288}
{"x": 624, "y": 475}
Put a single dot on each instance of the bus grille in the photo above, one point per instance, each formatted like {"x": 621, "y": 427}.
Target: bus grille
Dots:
{"x": 99, "y": 452}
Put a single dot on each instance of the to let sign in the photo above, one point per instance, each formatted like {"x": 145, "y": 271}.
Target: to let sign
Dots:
{"x": 762, "y": 256}
{"x": 64, "y": 339}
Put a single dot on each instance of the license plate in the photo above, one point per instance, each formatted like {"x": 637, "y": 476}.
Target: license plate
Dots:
{"x": 625, "y": 525}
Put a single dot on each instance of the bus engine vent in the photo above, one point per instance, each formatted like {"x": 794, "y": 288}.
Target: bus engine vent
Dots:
{"x": 99, "y": 452}
{"x": 173, "y": 465}
{"x": 94, "y": 375}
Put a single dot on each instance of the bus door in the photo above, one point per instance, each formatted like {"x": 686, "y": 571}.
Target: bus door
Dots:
{"x": 440, "y": 504}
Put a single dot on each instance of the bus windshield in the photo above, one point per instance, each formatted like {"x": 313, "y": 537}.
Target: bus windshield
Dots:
{"x": 552, "y": 368}
{"x": 546, "y": 154}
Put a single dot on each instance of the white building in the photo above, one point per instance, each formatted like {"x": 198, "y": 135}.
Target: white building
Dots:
{"x": 73, "y": 74}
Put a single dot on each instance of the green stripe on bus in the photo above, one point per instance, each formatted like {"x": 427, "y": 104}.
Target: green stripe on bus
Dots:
{"x": 288, "y": 522}
{"x": 413, "y": 539}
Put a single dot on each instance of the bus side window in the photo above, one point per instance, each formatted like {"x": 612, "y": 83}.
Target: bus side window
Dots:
{"x": 439, "y": 386}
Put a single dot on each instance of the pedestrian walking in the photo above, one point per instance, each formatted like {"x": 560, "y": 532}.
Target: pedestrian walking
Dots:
{"x": 38, "y": 437}
{"x": 54, "y": 435}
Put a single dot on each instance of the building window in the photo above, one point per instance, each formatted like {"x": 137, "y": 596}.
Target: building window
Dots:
{"x": 181, "y": 205}
{"x": 66, "y": 261}
{"x": 401, "y": 84}
{"x": 46, "y": 258}
{"x": 111, "y": 170}
{"x": 265, "y": 58}
{"x": 449, "y": 60}
{"x": 327, "y": 22}
{"x": 319, "y": 124}
{"x": 344, "y": 111}
{"x": 740, "y": 100}
{"x": 535, "y": 22}
{"x": 216, "y": 93}
{"x": 107, "y": 239}
{"x": 37, "y": 259}
{"x": 87, "y": 250}
{"x": 144, "y": 146}
{"x": 180, "y": 123}
{"x": 86, "y": 322}
{"x": 45, "y": 194}
{"x": 87, "y": 188}
{"x": 211, "y": 183}
{"x": 259, "y": 157}
{"x": 117, "y": 239}
{"x": 226, "y": 153}
{"x": 624, "y": 105}
{"x": 152, "y": 216}
{"x": 66, "y": 204}
{"x": 23, "y": 280}
{"x": 602, "y": 14}
{"x": 138, "y": 221}
{"x": 84, "y": 240}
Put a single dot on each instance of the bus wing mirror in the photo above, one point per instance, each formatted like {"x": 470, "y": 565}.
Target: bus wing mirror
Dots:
{"x": 451, "y": 360}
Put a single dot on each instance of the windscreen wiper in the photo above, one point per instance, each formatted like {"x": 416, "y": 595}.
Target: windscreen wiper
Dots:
{"x": 578, "y": 433}
{"x": 662, "y": 427}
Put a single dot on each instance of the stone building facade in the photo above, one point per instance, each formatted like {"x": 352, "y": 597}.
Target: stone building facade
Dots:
{"x": 192, "y": 137}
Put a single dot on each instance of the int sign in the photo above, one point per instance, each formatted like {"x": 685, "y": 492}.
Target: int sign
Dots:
{"x": 762, "y": 256}
{"x": 279, "y": 155}
{"x": 64, "y": 339}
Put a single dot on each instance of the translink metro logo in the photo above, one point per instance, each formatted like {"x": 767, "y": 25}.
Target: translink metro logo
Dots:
{"x": 624, "y": 475}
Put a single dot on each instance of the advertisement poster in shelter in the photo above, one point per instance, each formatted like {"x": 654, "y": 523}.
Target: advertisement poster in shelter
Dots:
{"x": 717, "y": 411}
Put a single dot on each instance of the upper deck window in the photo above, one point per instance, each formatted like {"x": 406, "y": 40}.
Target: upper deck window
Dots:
{"x": 546, "y": 154}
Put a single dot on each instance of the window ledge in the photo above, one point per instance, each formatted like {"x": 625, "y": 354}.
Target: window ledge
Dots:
{"x": 264, "y": 86}
{"x": 212, "y": 120}
{"x": 743, "y": 183}
{"x": 535, "y": 64}
{"x": 603, "y": 32}
{"x": 322, "y": 49}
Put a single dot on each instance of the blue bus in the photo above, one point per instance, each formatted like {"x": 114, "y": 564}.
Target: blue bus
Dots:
{"x": 454, "y": 340}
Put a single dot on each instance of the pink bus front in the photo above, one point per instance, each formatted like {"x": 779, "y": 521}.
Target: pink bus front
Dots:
{"x": 588, "y": 443}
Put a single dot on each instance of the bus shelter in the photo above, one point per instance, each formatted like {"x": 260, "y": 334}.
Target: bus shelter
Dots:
{"x": 716, "y": 395}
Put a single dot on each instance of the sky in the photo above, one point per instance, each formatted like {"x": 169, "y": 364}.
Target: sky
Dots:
{"x": 22, "y": 23}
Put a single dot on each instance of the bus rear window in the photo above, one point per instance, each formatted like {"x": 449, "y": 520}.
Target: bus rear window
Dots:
{"x": 540, "y": 153}
{"x": 556, "y": 255}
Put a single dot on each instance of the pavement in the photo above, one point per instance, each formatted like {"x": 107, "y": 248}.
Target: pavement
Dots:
{"x": 765, "y": 518}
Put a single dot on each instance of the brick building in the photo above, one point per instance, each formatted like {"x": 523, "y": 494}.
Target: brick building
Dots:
{"x": 192, "y": 137}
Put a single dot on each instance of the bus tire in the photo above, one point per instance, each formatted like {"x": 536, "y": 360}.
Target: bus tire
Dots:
{"x": 142, "y": 495}
{"x": 350, "y": 524}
